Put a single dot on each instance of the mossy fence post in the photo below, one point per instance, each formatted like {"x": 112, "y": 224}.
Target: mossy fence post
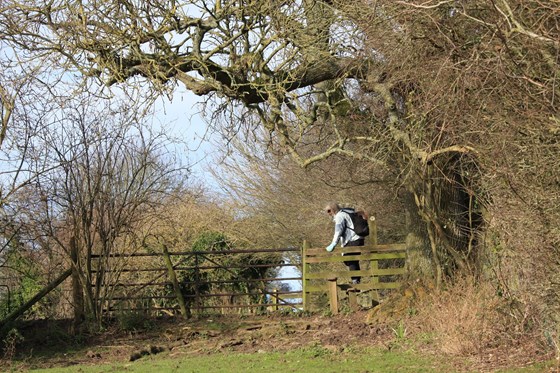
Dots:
{"x": 173, "y": 278}
{"x": 373, "y": 230}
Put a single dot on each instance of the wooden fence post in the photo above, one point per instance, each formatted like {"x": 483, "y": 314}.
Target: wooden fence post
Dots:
{"x": 275, "y": 299}
{"x": 197, "y": 299}
{"x": 333, "y": 295}
{"x": 174, "y": 281}
{"x": 374, "y": 267}
{"x": 373, "y": 230}
{"x": 304, "y": 274}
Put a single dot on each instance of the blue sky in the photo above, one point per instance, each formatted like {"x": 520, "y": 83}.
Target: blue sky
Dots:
{"x": 182, "y": 115}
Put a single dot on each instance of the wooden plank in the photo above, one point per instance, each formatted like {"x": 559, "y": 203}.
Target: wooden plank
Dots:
{"x": 158, "y": 308}
{"x": 380, "y": 247}
{"x": 324, "y": 275}
{"x": 178, "y": 268}
{"x": 191, "y": 253}
{"x": 235, "y": 281}
{"x": 245, "y": 305}
{"x": 323, "y": 288}
{"x": 337, "y": 259}
{"x": 367, "y": 248}
{"x": 253, "y": 294}
{"x": 328, "y": 274}
{"x": 292, "y": 296}
{"x": 164, "y": 283}
{"x": 354, "y": 253}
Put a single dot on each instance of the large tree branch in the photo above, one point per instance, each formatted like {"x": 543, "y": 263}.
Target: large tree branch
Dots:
{"x": 207, "y": 54}
{"x": 229, "y": 81}
{"x": 7, "y": 104}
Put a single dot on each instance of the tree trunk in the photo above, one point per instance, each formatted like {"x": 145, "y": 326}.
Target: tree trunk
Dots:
{"x": 77, "y": 293}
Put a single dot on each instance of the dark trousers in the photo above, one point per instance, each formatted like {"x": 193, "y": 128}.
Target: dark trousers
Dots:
{"x": 354, "y": 265}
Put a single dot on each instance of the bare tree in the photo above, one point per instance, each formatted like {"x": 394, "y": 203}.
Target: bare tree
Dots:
{"x": 23, "y": 268}
{"x": 107, "y": 176}
{"x": 283, "y": 203}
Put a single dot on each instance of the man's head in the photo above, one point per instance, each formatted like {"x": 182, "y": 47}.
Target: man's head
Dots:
{"x": 332, "y": 208}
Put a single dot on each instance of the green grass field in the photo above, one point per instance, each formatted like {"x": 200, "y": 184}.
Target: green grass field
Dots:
{"x": 310, "y": 360}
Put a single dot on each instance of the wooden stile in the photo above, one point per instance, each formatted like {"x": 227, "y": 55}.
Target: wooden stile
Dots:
{"x": 384, "y": 265}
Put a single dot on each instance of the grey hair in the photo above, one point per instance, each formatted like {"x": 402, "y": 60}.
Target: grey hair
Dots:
{"x": 333, "y": 206}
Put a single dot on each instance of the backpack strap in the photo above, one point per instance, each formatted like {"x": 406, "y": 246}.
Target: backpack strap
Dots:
{"x": 348, "y": 211}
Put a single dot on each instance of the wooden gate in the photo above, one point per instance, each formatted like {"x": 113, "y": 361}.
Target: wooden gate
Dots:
{"x": 203, "y": 282}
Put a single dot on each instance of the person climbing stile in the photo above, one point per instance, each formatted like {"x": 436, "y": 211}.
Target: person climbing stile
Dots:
{"x": 345, "y": 234}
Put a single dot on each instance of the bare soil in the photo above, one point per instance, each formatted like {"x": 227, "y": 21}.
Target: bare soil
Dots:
{"x": 47, "y": 344}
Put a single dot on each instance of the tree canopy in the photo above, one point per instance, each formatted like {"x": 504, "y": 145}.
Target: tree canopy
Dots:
{"x": 249, "y": 52}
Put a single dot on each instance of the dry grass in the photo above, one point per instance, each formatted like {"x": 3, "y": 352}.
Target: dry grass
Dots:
{"x": 460, "y": 318}
{"x": 467, "y": 318}
{"x": 470, "y": 320}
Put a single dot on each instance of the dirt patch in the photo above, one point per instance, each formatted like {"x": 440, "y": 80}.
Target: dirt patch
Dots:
{"x": 47, "y": 343}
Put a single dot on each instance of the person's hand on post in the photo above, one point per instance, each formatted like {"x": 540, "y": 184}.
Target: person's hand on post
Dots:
{"x": 330, "y": 247}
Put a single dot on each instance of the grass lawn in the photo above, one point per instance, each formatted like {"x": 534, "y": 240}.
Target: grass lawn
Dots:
{"x": 310, "y": 360}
